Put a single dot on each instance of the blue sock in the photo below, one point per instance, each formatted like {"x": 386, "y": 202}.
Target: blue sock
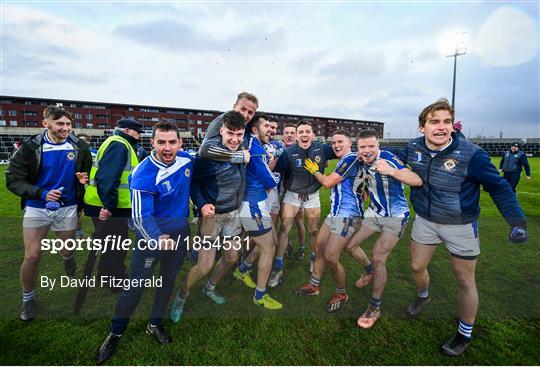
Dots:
{"x": 312, "y": 256}
{"x": 465, "y": 329}
{"x": 27, "y": 296}
{"x": 244, "y": 267}
{"x": 259, "y": 293}
{"x": 375, "y": 302}
{"x": 369, "y": 268}
{"x": 278, "y": 264}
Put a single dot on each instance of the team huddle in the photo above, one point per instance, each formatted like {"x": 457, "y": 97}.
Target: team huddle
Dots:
{"x": 247, "y": 190}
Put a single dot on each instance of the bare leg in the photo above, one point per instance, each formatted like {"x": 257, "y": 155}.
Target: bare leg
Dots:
{"x": 32, "y": 256}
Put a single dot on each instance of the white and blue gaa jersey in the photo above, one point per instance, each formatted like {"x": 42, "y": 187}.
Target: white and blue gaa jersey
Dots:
{"x": 160, "y": 195}
{"x": 346, "y": 197}
{"x": 57, "y": 169}
{"x": 385, "y": 192}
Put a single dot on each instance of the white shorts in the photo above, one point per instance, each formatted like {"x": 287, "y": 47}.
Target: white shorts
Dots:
{"x": 306, "y": 201}
{"x": 63, "y": 219}
{"x": 393, "y": 225}
{"x": 460, "y": 239}
{"x": 273, "y": 201}
{"x": 342, "y": 226}
{"x": 225, "y": 224}
{"x": 255, "y": 218}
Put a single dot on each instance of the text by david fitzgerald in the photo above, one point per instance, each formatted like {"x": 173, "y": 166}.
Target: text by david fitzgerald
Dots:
{"x": 102, "y": 281}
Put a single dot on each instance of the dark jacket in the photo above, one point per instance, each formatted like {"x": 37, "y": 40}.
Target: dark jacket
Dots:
{"x": 291, "y": 163}
{"x": 450, "y": 193}
{"x": 219, "y": 183}
{"x": 108, "y": 176}
{"x": 23, "y": 169}
{"x": 515, "y": 162}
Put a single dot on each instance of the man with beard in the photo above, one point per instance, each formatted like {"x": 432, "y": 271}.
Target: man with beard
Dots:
{"x": 48, "y": 172}
{"x": 301, "y": 190}
{"x": 255, "y": 215}
{"x": 160, "y": 197}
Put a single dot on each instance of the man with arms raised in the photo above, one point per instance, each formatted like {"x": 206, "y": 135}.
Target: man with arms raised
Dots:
{"x": 301, "y": 190}
{"x": 388, "y": 212}
{"x": 447, "y": 209}
{"x": 345, "y": 217}
{"x": 48, "y": 172}
{"x": 255, "y": 215}
{"x": 160, "y": 202}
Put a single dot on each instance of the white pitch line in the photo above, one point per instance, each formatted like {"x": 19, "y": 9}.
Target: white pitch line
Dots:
{"x": 529, "y": 193}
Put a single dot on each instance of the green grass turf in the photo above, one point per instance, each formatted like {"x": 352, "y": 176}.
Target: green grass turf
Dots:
{"x": 507, "y": 329}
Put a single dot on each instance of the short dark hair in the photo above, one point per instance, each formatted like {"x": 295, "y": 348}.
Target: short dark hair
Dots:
{"x": 165, "y": 126}
{"x": 255, "y": 120}
{"x": 342, "y": 132}
{"x": 304, "y": 122}
{"x": 365, "y": 134}
{"x": 233, "y": 120}
{"x": 56, "y": 112}
{"x": 289, "y": 125}
{"x": 440, "y": 104}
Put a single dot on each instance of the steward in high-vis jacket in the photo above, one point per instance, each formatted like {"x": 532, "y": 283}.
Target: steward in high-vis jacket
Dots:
{"x": 107, "y": 198}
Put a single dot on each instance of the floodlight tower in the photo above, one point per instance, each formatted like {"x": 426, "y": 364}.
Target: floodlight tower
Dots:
{"x": 460, "y": 48}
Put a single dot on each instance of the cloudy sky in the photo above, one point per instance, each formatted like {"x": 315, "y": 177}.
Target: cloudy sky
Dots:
{"x": 381, "y": 61}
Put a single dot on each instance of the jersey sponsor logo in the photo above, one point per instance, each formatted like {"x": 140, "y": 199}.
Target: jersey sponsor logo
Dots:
{"x": 167, "y": 185}
{"x": 70, "y": 156}
{"x": 449, "y": 164}
{"x": 187, "y": 172}
{"x": 148, "y": 262}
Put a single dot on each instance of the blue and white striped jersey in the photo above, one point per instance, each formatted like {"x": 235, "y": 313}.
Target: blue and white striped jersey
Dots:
{"x": 57, "y": 169}
{"x": 385, "y": 192}
{"x": 346, "y": 197}
{"x": 160, "y": 195}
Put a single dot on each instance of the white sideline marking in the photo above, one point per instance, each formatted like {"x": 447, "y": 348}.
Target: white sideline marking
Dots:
{"x": 529, "y": 193}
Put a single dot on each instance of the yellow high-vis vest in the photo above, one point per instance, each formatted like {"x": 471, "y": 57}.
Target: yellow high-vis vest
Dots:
{"x": 91, "y": 196}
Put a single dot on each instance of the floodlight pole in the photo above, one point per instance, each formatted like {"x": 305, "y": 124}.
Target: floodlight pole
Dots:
{"x": 458, "y": 51}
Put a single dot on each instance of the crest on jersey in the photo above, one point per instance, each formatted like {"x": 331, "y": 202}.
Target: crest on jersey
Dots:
{"x": 298, "y": 162}
{"x": 342, "y": 168}
{"x": 318, "y": 158}
{"x": 187, "y": 172}
{"x": 418, "y": 156}
{"x": 449, "y": 164}
{"x": 70, "y": 156}
{"x": 148, "y": 262}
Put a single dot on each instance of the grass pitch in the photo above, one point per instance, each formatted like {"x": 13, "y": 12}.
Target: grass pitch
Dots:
{"x": 507, "y": 330}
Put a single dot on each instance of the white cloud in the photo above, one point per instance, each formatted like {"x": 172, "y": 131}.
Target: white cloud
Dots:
{"x": 508, "y": 37}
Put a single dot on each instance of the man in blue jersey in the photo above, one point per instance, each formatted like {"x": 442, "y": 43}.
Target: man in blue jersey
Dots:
{"x": 388, "y": 212}
{"x": 160, "y": 210}
{"x": 217, "y": 192}
{"x": 447, "y": 209}
{"x": 345, "y": 217}
{"x": 511, "y": 165}
{"x": 301, "y": 190}
{"x": 274, "y": 148}
{"x": 48, "y": 172}
{"x": 255, "y": 214}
